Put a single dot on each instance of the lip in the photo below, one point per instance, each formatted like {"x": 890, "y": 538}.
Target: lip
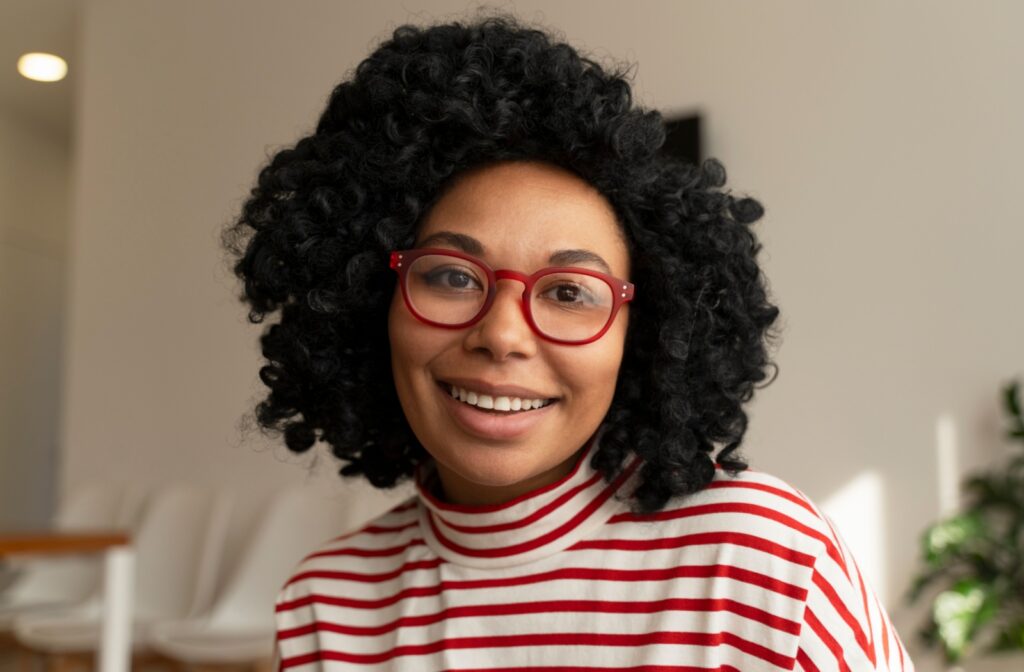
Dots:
{"x": 496, "y": 390}
{"x": 486, "y": 425}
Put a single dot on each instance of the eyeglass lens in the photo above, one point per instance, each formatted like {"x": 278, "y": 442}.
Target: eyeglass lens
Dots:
{"x": 565, "y": 306}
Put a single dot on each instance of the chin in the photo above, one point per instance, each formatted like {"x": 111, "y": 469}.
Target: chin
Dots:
{"x": 494, "y": 471}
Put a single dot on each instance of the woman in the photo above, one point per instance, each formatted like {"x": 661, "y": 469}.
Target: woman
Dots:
{"x": 491, "y": 282}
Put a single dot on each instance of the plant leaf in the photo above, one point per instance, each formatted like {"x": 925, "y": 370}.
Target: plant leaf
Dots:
{"x": 948, "y": 537}
{"x": 960, "y": 612}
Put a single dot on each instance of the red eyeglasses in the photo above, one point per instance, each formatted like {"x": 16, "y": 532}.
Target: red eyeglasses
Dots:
{"x": 453, "y": 290}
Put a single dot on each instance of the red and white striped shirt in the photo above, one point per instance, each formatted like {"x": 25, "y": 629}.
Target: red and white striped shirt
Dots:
{"x": 747, "y": 574}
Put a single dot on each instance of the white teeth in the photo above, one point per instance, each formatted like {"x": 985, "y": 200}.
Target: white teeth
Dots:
{"x": 496, "y": 403}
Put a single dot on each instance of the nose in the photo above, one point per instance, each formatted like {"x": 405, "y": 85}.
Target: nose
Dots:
{"x": 504, "y": 330}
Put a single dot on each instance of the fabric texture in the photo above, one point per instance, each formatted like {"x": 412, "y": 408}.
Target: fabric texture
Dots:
{"x": 747, "y": 574}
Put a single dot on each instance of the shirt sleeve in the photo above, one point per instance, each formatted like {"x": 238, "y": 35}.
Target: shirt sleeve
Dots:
{"x": 845, "y": 628}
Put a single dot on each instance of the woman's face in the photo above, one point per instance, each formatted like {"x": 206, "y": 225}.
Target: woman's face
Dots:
{"x": 519, "y": 214}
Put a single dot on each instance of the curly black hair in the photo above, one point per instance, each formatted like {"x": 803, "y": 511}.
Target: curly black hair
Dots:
{"x": 313, "y": 237}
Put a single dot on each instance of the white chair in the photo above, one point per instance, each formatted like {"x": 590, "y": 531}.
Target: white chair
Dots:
{"x": 178, "y": 549}
{"x": 47, "y": 583}
{"x": 240, "y": 626}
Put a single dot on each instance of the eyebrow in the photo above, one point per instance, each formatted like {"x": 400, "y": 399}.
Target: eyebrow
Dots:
{"x": 471, "y": 245}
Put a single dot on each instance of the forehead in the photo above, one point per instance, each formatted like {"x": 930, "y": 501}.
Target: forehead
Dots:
{"x": 522, "y": 212}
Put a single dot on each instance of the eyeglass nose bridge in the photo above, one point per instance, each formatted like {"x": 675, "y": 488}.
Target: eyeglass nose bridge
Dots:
{"x": 524, "y": 298}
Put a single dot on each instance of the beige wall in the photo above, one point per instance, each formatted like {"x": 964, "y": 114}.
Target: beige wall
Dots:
{"x": 34, "y": 174}
{"x": 884, "y": 139}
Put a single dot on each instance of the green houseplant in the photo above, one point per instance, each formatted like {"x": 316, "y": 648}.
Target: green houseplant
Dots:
{"x": 977, "y": 556}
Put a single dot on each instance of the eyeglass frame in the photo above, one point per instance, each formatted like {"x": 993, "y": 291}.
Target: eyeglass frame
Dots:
{"x": 402, "y": 259}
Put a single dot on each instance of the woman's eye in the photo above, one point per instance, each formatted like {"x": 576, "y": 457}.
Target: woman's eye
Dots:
{"x": 567, "y": 293}
{"x": 451, "y": 278}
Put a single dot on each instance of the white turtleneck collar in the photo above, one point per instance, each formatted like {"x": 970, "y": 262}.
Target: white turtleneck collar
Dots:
{"x": 534, "y": 525}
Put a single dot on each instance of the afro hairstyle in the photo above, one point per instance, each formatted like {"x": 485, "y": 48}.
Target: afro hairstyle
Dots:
{"x": 313, "y": 237}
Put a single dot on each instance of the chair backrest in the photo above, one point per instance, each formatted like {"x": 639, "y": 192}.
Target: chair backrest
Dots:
{"x": 91, "y": 506}
{"x": 211, "y": 559}
{"x": 294, "y": 523}
{"x": 178, "y": 550}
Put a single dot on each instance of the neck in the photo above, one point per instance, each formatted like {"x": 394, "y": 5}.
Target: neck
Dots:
{"x": 454, "y": 489}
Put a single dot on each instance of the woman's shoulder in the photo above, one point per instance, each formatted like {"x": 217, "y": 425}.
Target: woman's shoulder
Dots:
{"x": 360, "y": 555}
{"x": 754, "y": 506}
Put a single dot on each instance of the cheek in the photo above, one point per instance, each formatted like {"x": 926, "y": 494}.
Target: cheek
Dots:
{"x": 402, "y": 340}
{"x": 414, "y": 345}
{"x": 617, "y": 341}
{"x": 611, "y": 358}
{"x": 609, "y": 371}
{"x": 593, "y": 371}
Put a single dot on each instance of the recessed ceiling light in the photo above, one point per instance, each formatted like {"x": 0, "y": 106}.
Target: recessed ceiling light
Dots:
{"x": 42, "y": 67}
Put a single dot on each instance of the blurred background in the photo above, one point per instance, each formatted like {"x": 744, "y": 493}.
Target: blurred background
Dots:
{"x": 885, "y": 141}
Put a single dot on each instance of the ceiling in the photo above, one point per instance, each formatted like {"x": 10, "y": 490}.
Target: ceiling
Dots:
{"x": 38, "y": 25}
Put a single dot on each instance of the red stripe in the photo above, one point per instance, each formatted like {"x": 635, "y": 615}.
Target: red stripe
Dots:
{"x": 844, "y": 613}
{"x": 778, "y": 492}
{"x": 529, "y": 545}
{"x": 899, "y": 647}
{"x": 827, "y": 639}
{"x": 527, "y": 520}
{"x": 363, "y": 577}
{"x": 345, "y": 536}
{"x": 869, "y": 649}
{"x": 384, "y": 529}
{"x": 806, "y": 664}
{"x": 577, "y": 668}
{"x": 733, "y": 507}
{"x": 697, "y": 539}
{"x": 867, "y": 643}
{"x": 560, "y": 606}
{"x": 834, "y": 546}
{"x": 369, "y": 529}
{"x": 367, "y": 552}
{"x": 552, "y": 639}
{"x": 885, "y": 628}
{"x": 569, "y": 573}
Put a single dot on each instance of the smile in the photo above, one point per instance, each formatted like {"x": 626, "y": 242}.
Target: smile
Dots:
{"x": 495, "y": 403}
{"x": 493, "y": 423}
